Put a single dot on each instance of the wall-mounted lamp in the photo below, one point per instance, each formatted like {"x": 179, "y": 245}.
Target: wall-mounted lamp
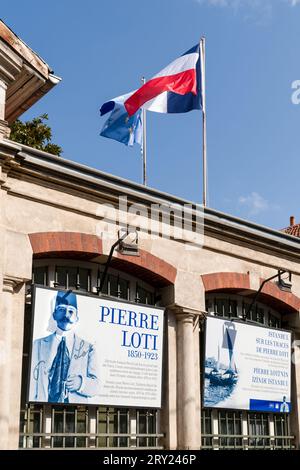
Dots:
{"x": 283, "y": 284}
{"x": 130, "y": 248}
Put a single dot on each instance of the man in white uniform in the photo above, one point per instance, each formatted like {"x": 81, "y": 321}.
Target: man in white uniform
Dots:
{"x": 63, "y": 365}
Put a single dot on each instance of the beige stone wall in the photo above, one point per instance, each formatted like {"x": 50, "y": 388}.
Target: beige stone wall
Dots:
{"x": 35, "y": 208}
{"x": 41, "y": 207}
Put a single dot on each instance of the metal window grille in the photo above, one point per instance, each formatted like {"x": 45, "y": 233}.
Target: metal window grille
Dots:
{"x": 206, "y": 429}
{"x": 230, "y": 424}
{"x": 144, "y": 296}
{"x": 258, "y": 425}
{"x": 273, "y": 321}
{"x": 260, "y": 315}
{"x": 251, "y": 442}
{"x": 226, "y": 308}
{"x": 111, "y": 423}
{"x": 256, "y": 314}
{"x": 237, "y": 307}
{"x": 31, "y": 427}
{"x": 85, "y": 427}
{"x": 282, "y": 431}
{"x": 229, "y": 434}
{"x": 115, "y": 286}
{"x": 146, "y": 428}
{"x": 250, "y": 314}
{"x": 40, "y": 275}
{"x": 69, "y": 427}
{"x": 72, "y": 277}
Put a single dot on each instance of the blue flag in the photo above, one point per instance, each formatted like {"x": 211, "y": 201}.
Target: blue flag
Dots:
{"x": 120, "y": 126}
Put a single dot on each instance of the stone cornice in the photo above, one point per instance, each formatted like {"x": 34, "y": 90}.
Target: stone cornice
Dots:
{"x": 182, "y": 312}
{"x": 10, "y": 283}
{"x": 11, "y": 63}
{"x": 25, "y": 74}
{"x": 9, "y": 159}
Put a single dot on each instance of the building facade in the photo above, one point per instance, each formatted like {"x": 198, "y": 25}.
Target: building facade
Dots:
{"x": 55, "y": 216}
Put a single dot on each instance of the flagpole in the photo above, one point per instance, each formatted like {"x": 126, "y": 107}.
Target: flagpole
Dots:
{"x": 144, "y": 146}
{"x": 203, "y": 93}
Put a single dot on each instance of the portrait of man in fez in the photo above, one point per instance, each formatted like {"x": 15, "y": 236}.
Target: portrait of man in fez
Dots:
{"x": 63, "y": 365}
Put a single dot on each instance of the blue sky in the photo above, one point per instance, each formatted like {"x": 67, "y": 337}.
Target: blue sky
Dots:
{"x": 102, "y": 49}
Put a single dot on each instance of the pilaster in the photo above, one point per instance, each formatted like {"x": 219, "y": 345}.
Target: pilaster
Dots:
{"x": 11, "y": 344}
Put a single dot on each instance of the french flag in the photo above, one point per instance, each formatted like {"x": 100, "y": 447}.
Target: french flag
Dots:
{"x": 176, "y": 89}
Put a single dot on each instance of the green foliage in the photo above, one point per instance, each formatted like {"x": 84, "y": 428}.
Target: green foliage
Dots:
{"x": 35, "y": 133}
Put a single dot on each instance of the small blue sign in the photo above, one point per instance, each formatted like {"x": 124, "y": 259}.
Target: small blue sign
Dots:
{"x": 273, "y": 406}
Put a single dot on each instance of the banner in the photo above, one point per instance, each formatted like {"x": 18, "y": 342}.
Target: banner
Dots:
{"x": 247, "y": 367}
{"x": 87, "y": 349}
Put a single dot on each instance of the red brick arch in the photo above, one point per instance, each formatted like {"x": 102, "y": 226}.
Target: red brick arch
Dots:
{"x": 65, "y": 244}
{"x": 237, "y": 282}
{"x": 222, "y": 281}
{"x": 85, "y": 246}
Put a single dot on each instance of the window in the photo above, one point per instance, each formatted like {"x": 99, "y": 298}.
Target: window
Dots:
{"x": 144, "y": 296}
{"x": 230, "y": 424}
{"x": 31, "y": 427}
{"x": 40, "y": 275}
{"x": 258, "y": 425}
{"x": 282, "y": 431}
{"x": 235, "y": 306}
{"x": 225, "y": 307}
{"x": 274, "y": 322}
{"x": 67, "y": 421}
{"x": 87, "y": 426}
{"x": 113, "y": 421}
{"x": 255, "y": 314}
{"x": 68, "y": 277}
{"x": 146, "y": 424}
{"x": 206, "y": 429}
{"x": 115, "y": 286}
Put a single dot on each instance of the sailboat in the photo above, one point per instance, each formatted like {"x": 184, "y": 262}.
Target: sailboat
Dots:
{"x": 216, "y": 374}
{"x": 230, "y": 376}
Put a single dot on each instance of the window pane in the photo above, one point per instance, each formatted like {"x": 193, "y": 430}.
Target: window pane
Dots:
{"x": 72, "y": 278}
{"x": 146, "y": 424}
{"x": 274, "y": 322}
{"x": 102, "y": 426}
{"x": 258, "y": 426}
{"x": 69, "y": 277}
{"x": 82, "y": 426}
{"x": 124, "y": 288}
{"x": 260, "y": 315}
{"x": 40, "y": 275}
{"x": 230, "y": 424}
{"x": 70, "y": 426}
{"x": 113, "y": 284}
{"x": 144, "y": 296}
{"x": 84, "y": 277}
{"x": 57, "y": 426}
{"x": 105, "y": 286}
{"x": 61, "y": 277}
{"x": 282, "y": 428}
{"x": 206, "y": 428}
{"x": 225, "y": 308}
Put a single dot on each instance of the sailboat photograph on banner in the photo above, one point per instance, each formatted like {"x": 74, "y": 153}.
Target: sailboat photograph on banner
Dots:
{"x": 221, "y": 373}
